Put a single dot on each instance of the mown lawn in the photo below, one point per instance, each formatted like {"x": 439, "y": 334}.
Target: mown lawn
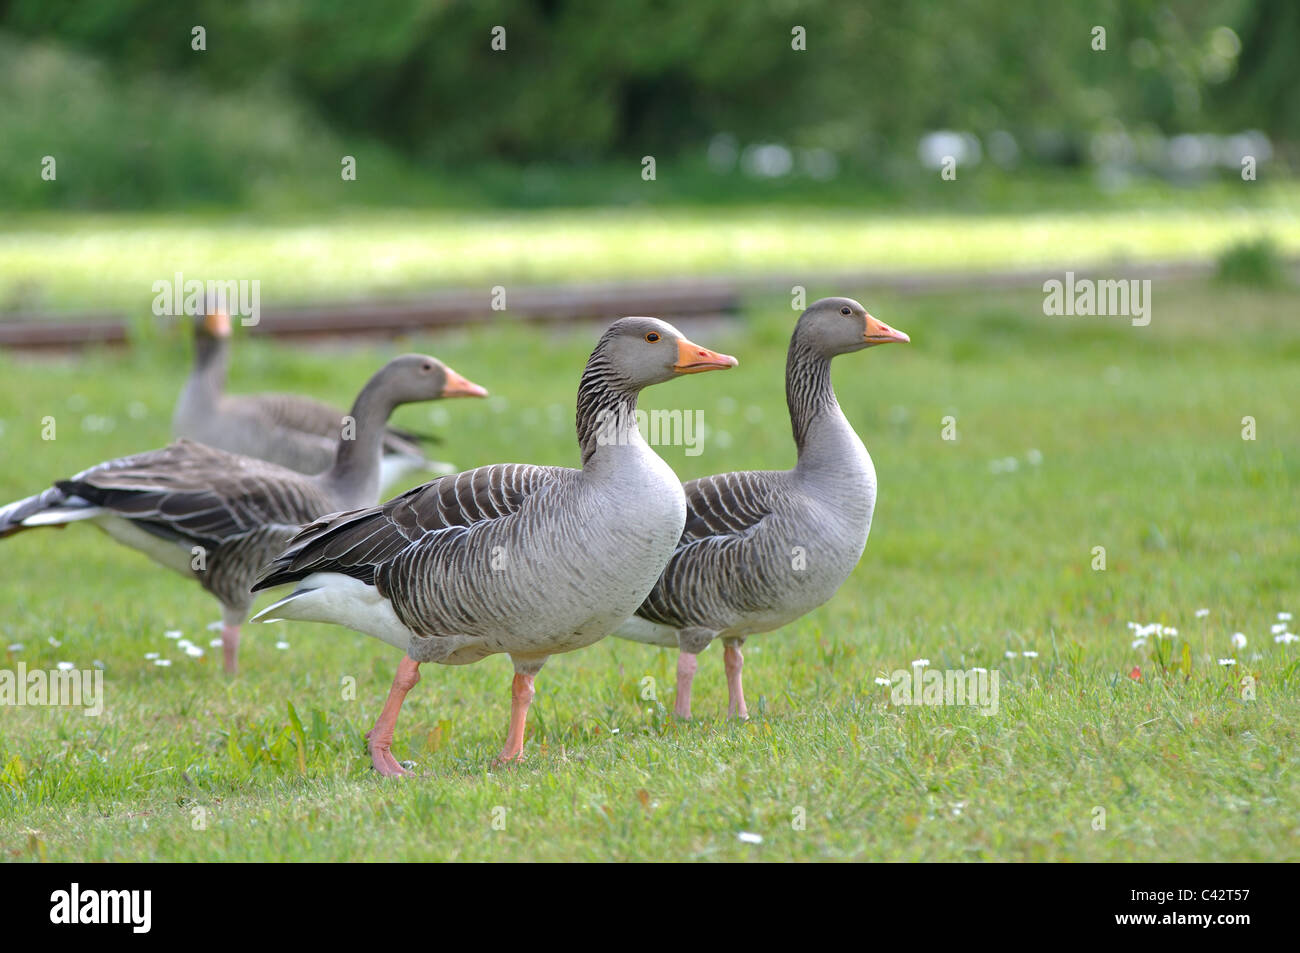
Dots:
{"x": 81, "y": 261}
{"x": 1072, "y": 434}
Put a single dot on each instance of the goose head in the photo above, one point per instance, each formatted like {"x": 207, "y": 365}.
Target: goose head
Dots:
{"x": 834, "y": 326}
{"x": 213, "y": 324}
{"x": 412, "y": 378}
{"x": 638, "y": 352}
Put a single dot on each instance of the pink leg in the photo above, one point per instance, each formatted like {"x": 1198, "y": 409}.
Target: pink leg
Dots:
{"x": 521, "y": 696}
{"x": 230, "y": 648}
{"x": 687, "y": 663}
{"x": 734, "y": 660}
{"x": 380, "y": 737}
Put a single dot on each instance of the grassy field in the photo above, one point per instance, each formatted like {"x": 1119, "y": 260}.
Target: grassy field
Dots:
{"x": 1072, "y": 434}
{"x": 69, "y": 261}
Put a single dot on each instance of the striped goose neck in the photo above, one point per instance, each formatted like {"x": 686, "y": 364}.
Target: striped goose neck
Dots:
{"x": 211, "y": 365}
{"x": 808, "y": 390}
{"x": 606, "y": 405}
{"x": 354, "y": 478}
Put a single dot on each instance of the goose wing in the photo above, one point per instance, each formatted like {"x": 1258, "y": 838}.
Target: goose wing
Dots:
{"x": 358, "y": 542}
{"x": 196, "y": 494}
{"x": 723, "y": 512}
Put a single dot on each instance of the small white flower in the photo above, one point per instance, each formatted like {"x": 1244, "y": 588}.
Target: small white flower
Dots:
{"x": 15, "y": 646}
{"x": 979, "y": 670}
{"x": 748, "y": 838}
{"x": 281, "y": 645}
{"x": 1284, "y": 616}
{"x": 66, "y": 666}
{"x": 99, "y": 665}
{"x": 184, "y": 644}
{"x": 152, "y": 655}
{"x": 53, "y": 641}
{"x": 1170, "y": 630}
{"x": 1227, "y": 661}
{"x": 215, "y": 644}
{"x": 920, "y": 662}
{"x": 1286, "y": 638}
{"x": 173, "y": 634}
{"x": 1138, "y": 643}
{"x": 613, "y": 731}
{"x": 193, "y": 651}
{"x": 1238, "y": 640}
{"x": 1280, "y": 627}
{"x": 1033, "y": 457}
{"x": 215, "y": 626}
{"x": 883, "y": 681}
{"x": 1030, "y": 654}
{"x": 1132, "y": 625}
{"x": 1202, "y": 613}
{"x": 162, "y": 662}
{"x": 1009, "y": 654}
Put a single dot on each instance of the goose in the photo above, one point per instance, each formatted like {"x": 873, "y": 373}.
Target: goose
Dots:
{"x": 218, "y": 516}
{"x": 530, "y": 561}
{"x": 293, "y": 431}
{"x": 762, "y": 548}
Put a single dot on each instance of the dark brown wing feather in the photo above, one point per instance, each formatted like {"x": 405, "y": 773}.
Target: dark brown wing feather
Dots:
{"x": 358, "y": 542}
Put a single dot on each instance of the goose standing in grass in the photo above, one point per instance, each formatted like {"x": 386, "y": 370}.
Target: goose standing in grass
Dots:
{"x": 762, "y": 548}
{"x": 292, "y": 431}
{"x": 218, "y": 516}
{"x": 527, "y": 560}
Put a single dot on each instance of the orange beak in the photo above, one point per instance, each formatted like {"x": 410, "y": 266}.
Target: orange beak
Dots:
{"x": 217, "y": 323}
{"x": 878, "y": 332}
{"x": 458, "y": 386}
{"x": 693, "y": 359}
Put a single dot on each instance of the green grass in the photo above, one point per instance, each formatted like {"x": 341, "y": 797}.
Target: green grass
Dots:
{"x": 1139, "y": 431}
{"x": 62, "y": 261}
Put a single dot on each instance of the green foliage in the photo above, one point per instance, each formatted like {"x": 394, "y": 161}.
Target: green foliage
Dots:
{"x": 1255, "y": 262}
{"x": 584, "y": 83}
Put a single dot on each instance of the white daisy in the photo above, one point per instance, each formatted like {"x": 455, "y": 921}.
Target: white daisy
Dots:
{"x": 1227, "y": 661}
{"x": 1238, "y": 640}
{"x": 66, "y": 666}
{"x": 162, "y": 662}
{"x": 748, "y": 838}
{"x": 1202, "y": 613}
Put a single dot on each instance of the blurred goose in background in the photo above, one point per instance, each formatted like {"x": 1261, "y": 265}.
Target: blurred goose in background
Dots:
{"x": 527, "y": 560}
{"x": 762, "y": 548}
{"x": 219, "y": 516}
{"x": 292, "y": 431}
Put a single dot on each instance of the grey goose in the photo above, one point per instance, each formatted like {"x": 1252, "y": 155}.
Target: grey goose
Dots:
{"x": 217, "y": 516}
{"x": 762, "y": 548}
{"x": 526, "y": 560}
{"x": 293, "y": 431}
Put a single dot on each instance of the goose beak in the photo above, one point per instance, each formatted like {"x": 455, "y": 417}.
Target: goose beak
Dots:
{"x": 217, "y": 323}
{"x": 458, "y": 386}
{"x": 878, "y": 332}
{"x": 693, "y": 359}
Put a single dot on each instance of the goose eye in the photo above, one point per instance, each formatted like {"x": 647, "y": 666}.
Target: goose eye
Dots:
{"x": 652, "y": 337}
{"x": 845, "y": 311}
